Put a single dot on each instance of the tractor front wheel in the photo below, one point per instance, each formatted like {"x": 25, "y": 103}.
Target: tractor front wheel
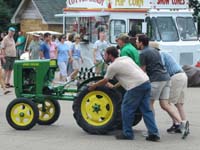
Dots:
{"x": 22, "y": 114}
{"x": 49, "y": 112}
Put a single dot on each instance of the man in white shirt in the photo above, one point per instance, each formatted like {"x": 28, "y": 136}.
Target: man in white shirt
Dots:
{"x": 137, "y": 86}
{"x": 9, "y": 53}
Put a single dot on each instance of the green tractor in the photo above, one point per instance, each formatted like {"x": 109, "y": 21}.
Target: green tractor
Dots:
{"x": 96, "y": 112}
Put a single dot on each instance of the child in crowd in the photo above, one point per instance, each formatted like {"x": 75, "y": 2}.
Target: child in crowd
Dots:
{"x": 25, "y": 55}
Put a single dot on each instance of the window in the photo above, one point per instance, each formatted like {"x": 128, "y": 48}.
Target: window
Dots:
{"x": 167, "y": 29}
{"x": 186, "y": 28}
{"x": 135, "y": 27}
{"x": 88, "y": 27}
{"x": 116, "y": 27}
{"x": 152, "y": 30}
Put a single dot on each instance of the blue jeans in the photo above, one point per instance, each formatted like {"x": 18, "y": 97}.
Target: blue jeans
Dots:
{"x": 138, "y": 97}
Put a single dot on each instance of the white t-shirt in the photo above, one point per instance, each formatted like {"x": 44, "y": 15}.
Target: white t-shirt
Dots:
{"x": 100, "y": 47}
{"x": 25, "y": 56}
{"x": 127, "y": 72}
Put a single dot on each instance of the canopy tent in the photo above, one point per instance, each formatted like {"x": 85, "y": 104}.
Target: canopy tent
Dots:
{"x": 81, "y": 14}
{"x": 43, "y": 32}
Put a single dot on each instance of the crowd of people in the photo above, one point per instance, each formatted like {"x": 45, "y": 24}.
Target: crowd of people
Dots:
{"x": 146, "y": 73}
{"x": 66, "y": 50}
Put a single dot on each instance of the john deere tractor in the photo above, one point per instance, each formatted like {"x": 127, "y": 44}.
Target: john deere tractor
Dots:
{"x": 96, "y": 112}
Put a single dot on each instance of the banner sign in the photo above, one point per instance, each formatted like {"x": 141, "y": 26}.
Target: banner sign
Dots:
{"x": 157, "y": 4}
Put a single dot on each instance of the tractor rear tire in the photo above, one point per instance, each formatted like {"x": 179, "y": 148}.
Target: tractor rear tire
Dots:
{"x": 51, "y": 112}
{"x": 22, "y": 114}
{"x": 96, "y": 111}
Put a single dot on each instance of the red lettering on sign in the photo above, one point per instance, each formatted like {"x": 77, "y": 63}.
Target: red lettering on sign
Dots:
{"x": 174, "y": 2}
{"x": 163, "y": 2}
{"x": 178, "y": 2}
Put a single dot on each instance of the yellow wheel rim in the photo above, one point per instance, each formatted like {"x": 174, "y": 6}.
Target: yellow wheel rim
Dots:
{"x": 47, "y": 111}
{"x": 97, "y": 108}
{"x": 22, "y": 114}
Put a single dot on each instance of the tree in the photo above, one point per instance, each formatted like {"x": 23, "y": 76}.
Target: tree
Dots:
{"x": 5, "y": 16}
{"x": 196, "y": 6}
{"x": 7, "y": 9}
{"x": 12, "y": 4}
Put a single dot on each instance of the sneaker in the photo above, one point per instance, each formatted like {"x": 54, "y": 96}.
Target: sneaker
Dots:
{"x": 174, "y": 129}
{"x": 184, "y": 129}
{"x": 153, "y": 138}
{"x": 178, "y": 130}
{"x": 121, "y": 136}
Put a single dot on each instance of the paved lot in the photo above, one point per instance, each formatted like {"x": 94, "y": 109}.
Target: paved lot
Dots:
{"x": 66, "y": 135}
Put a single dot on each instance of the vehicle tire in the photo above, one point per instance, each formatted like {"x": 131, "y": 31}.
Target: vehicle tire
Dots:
{"x": 96, "y": 111}
{"x": 22, "y": 114}
{"x": 49, "y": 112}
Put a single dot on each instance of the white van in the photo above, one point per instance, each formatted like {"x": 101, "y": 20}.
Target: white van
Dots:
{"x": 168, "y": 22}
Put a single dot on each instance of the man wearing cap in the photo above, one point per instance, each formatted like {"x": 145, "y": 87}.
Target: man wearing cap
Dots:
{"x": 45, "y": 47}
{"x": 20, "y": 44}
{"x": 127, "y": 49}
{"x": 34, "y": 47}
{"x": 9, "y": 53}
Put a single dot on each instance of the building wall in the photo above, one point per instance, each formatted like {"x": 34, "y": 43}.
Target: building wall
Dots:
{"x": 28, "y": 25}
{"x": 32, "y": 25}
{"x": 56, "y": 27}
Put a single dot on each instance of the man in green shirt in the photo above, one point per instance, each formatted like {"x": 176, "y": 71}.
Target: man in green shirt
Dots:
{"x": 20, "y": 44}
{"x": 127, "y": 49}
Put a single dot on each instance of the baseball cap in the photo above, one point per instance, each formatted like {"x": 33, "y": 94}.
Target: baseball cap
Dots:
{"x": 11, "y": 29}
{"x": 123, "y": 36}
{"x": 36, "y": 35}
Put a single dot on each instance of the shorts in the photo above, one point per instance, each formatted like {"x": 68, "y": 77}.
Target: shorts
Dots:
{"x": 160, "y": 90}
{"x": 63, "y": 68}
{"x": 76, "y": 64}
{"x": 9, "y": 64}
{"x": 178, "y": 88}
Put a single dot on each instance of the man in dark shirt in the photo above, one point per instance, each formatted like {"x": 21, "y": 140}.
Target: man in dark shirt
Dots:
{"x": 45, "y": 47}
{"x": 151, "y": 63}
